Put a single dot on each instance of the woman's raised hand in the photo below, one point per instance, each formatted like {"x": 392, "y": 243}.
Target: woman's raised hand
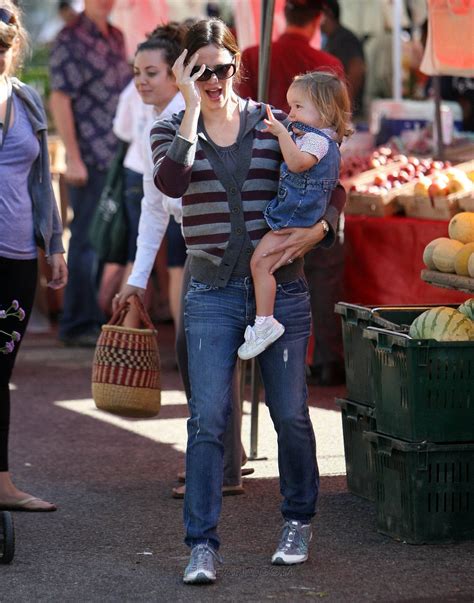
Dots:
{"x": 185, "y": 81}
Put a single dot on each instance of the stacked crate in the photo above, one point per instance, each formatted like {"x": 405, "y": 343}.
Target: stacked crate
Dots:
{"x": 408, "y": 424}
{"x": 358, "y": 409}
{"x": 424, "y": 439}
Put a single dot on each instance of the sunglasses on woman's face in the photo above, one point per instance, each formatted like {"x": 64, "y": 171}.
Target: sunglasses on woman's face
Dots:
{"x": 6, "y": 16}
{"x": 222, "y": 72}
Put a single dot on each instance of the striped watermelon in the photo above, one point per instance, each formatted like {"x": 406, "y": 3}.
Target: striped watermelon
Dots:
{"x": 443, "y": 324}
{"x": 467, "y": 308}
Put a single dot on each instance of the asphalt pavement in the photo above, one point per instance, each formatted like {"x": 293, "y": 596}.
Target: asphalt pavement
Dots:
{"x": 118, "y": 534}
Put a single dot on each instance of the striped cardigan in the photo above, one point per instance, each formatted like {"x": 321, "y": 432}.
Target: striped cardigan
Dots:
{"x": 220, "y": 208}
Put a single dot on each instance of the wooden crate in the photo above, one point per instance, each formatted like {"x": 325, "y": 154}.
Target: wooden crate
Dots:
{"x": 431, "y": 208}
{"x": 438, "y": 208}
{"x": 467, "y": 203}
{"x": 448, "y": 280}
{"x": 372, "y": 204}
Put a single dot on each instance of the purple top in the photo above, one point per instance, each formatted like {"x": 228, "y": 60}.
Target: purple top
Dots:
{"x": 20, "y": 149}
{"x": 92, "y": 70}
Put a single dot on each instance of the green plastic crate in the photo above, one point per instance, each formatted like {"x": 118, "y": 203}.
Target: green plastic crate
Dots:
{"x": 425, "y": 491}
{"x": 358, "y": 351}
{"x": 358, "y": 452}
{"x": 424, "y": 388}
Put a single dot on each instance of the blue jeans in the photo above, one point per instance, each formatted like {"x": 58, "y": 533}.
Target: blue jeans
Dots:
{"x": 133, "y": 208}
{"x": 81, "y": 313}
{"x": 215, "y": 321}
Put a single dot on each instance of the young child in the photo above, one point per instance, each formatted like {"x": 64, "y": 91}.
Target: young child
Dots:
{"x": 319, "y": 114}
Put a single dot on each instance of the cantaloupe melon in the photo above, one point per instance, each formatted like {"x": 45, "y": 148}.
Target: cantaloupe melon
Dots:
{"x": 462, "y": 258}
{"x": 442, "y": 324}
{"x": 444, "y": 254}
{"x": 467, "y": 308}
{"x": 461, "y": 227}
{"x": 428, "y": 252}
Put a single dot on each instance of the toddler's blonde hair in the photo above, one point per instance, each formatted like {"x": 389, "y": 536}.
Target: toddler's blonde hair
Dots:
{"x": 330, "y": 97}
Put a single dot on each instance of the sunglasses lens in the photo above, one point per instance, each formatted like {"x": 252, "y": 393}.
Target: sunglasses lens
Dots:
{"x": 6, "y": 16}
{"x": 223, "y": 72}
{"x": 205, "y": 76}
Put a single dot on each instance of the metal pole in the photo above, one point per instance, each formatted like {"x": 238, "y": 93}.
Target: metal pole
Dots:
{"x": 437, "y": 117}
{"x": 264, "y": 56}
{"x": 265, "y": 49}
{"x": 397, "y": 50}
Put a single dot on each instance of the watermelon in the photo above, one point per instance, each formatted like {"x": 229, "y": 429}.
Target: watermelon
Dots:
{"x": 467, "y": 308}
{"x": 442, "y": 324}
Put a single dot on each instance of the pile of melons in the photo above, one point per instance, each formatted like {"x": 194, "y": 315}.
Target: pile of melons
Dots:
{"x": 445, "y": 324}
{"x": 456, "y": 253}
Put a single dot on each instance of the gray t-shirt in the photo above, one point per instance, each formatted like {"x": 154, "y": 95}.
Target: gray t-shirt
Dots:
{"x": 20, "y": 149}
{"x": 230, "y": 158}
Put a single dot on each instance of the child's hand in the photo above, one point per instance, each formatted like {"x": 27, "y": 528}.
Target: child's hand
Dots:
{"x": 274, "y": 126}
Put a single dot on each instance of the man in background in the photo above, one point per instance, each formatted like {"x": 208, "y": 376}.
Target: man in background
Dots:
{"x": 88, "y": 71}
{"x": 292, "y": 54}
{"x": 346, "y": 46}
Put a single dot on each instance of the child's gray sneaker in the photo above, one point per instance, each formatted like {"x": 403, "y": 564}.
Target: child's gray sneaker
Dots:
{"x": 200, "y": 569}
{"x": 294, "y": 543}
{"x": 257, "y": 339}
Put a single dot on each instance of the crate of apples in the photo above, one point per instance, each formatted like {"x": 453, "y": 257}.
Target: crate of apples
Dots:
{"x": 376, "y": 191}
{"x": 438, "y": 194}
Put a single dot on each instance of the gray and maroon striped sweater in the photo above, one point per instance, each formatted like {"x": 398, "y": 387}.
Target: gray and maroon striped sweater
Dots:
{"x": 220, "y": 209}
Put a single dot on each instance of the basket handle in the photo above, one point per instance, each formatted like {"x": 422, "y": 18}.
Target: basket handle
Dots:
{"x": 118, "y": 316}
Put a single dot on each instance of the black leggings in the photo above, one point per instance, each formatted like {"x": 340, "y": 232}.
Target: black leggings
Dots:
{"x": 17, "y": 281}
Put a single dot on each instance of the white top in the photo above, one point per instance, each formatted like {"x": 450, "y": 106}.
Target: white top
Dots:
{"x": 131, "y": 118}
{"x": 156, "y": 207}
{"x": 315, "y": 144}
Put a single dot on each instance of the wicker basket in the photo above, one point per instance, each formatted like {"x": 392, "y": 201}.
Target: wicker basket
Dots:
{"x": 126, "y": 366}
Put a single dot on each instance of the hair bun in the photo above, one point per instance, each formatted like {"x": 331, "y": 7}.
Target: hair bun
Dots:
{"x": 172, "y": 31}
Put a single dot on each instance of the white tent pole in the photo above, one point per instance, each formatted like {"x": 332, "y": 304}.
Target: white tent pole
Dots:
{"x": 397, "y": 50}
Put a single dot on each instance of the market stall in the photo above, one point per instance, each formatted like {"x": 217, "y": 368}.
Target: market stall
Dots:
{"x": 384, "y": 261}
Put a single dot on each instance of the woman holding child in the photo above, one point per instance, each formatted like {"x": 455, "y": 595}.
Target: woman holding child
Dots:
{"x": 221, "y": 158}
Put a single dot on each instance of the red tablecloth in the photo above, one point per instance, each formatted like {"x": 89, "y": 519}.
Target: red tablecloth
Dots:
{"x": 384, "y": 261}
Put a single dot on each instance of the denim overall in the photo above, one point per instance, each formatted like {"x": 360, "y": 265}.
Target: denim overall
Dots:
{"x": 303, "y": 197}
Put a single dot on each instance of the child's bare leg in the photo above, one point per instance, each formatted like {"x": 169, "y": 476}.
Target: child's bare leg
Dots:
{"x": 266, "y": 329}
{"x": 264, "y": 283}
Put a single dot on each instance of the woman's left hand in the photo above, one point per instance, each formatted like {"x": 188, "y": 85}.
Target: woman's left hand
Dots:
{"x": 296, "y": 242}
{"x": 59, "y": 271}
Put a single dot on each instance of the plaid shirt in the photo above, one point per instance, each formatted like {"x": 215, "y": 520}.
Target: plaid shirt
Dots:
{"x": 92, "y": 70}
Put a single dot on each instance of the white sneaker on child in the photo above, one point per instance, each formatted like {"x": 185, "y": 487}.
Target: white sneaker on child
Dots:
{"x": 258, "y": 338}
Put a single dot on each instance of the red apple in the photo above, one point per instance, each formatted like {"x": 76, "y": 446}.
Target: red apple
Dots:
{"x": 401, "y": 159}
{"x": 403, "y": 176}
{"x": 413, "y": 161}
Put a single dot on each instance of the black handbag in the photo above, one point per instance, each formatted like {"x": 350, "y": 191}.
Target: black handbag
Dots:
{"x": 108, "y": 232}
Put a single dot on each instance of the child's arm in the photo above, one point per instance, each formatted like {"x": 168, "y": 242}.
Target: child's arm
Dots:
{"x": 297, "y": 161}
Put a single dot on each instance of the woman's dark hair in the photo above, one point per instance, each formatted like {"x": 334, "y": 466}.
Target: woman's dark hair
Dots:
{"x": 168, "y": 38}
{"x": 302, "y": 12}
{"x": 211, "y": 32}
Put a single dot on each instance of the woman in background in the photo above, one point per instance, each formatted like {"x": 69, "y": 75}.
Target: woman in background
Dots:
{"x": 28, "y": 218}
